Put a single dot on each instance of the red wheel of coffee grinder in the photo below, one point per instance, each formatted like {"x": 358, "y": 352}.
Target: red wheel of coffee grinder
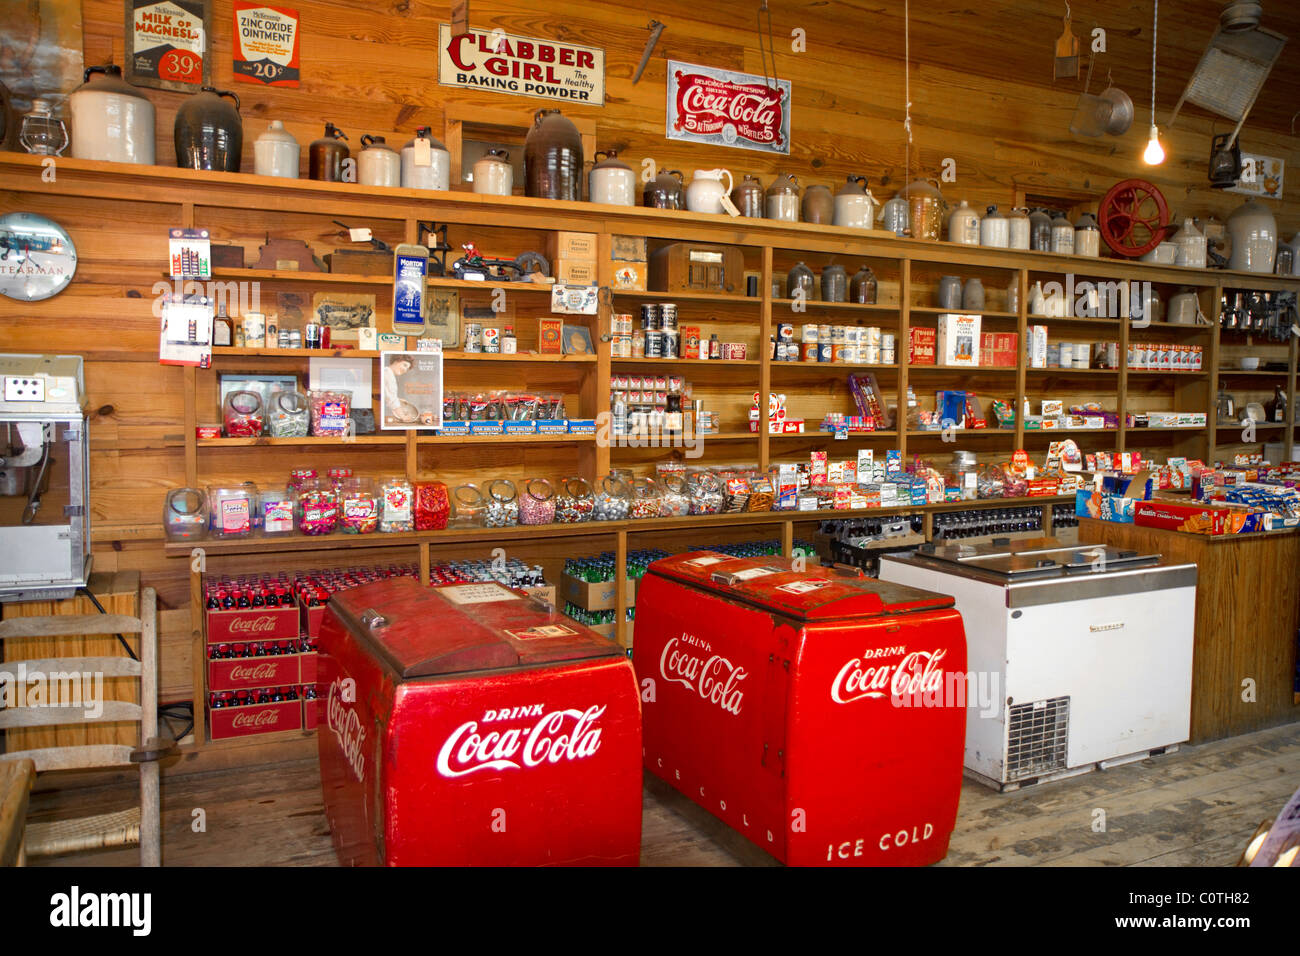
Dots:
{"x": 1134, "y": 218}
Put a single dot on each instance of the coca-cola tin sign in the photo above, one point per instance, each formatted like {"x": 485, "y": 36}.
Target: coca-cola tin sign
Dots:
{"x": 726, "y": 108}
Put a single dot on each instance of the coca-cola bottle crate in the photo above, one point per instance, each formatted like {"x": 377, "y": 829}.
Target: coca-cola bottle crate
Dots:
{"x": 240, "y": 673}
{"x": 252, "y": 624}
{"x": 242, "y": 713}
{"x": 310, "y": 707}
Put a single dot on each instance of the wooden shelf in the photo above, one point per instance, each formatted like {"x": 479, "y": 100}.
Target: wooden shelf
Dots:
{"x": 338, "y": 278}
{"x": 1252, "y": 373}
{"x": 958, "y": 434}
{"x": 830, "y": 436}
{"x": 689, "y": 363}
{"x": 714, "y": 297}
{"x": 983, "y": 313}
{"x": 469, "y": 440}
{"x": 810, "y": 305}
{"x": 1165, "y": 428}
{"x": 228, "y": 352}
{"x": 1167, "y": 371}
{"x": 833, "y": 367}
{"x": 360, "y": 440}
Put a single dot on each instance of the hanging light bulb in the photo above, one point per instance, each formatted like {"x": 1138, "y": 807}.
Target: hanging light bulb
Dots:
{"x": 1154, "y": 154}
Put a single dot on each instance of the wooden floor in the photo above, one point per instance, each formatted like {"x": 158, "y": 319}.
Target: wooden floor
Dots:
{"x": 1197, "y": 807}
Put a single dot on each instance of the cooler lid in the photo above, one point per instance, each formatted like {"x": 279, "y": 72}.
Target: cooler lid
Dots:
{"x": 815, "y": 594}
{"x": 1033, "y": 558}
{"x": 452, "y": 628}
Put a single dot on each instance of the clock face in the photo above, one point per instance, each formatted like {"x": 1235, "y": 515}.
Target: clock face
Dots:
{"x": 37, "y": 257}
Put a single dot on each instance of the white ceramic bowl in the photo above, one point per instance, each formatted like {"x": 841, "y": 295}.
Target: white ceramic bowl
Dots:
{"x": 1249, "y": 364}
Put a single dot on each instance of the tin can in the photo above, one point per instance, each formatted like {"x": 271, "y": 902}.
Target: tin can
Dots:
{"x": 886, "y": 341}
{"x": 295, "y": 338}
{"x": 654, "y": 343}
{"x": 824, "y": 334}
{"x": 887, "y": 356}
{"x": 668, "y": 316}
{"x": 810, "y": 351}
{"x": 473, "y": 337}
{"x": 871, "y": 355}
{"x": 649, "y": 316}
{"x": 311, "y": 335}
{"x": 785, "y": 332}
{"x": 670, "y": 344}
{"x": 638, "y": 345}
{"x": 871, "y": 336}
{"x": 809, "y": 334}
{"x": 824, "y": 352}
{"x": 491, "y": 339}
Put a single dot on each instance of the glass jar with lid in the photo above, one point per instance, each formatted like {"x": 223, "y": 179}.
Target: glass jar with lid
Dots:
{"x": 290, "y": 415}
{"x": 675, "y": 501}
{"x": 537, "y": 502}
{"x": 242, "y": 414}
{"x": 396, "y": 507}
{"x": 41, "y": 132}
{"x": 232, "y": 510}
{"x": 186, "y": 514}
{"x": 647, "y": 498}
{"x": 469, "y": 508}
{"x": 707, "y": 493}
{"x": 502, "y": 504}
{"x": 358, "y": 506}
{"x": 613, "y": 498}
{"x": 574, "y": 501}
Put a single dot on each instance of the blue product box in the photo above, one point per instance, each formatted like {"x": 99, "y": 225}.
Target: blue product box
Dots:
{"x": 450, "y": 427}
{"x": 1095, "y": 504}
{"x": 486, "y": 428}
{"x": 521, "y": 428}
{"x": 582, "y": 426}
{"x": 893, "y": 462}
{"x": 552, "y": 426}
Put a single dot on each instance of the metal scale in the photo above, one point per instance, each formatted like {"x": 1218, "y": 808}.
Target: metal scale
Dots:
{"x": 44, "y": 478}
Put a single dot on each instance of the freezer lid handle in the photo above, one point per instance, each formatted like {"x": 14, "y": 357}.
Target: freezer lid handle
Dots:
{"x": 372, "y": 620}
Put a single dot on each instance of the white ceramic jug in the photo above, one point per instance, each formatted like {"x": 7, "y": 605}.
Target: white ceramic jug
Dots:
{"x": 276, "y": 152}
{"x": 705, "y": 192}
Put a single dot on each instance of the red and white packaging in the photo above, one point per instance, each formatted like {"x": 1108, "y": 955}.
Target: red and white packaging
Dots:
{"x": 252, "y": 624}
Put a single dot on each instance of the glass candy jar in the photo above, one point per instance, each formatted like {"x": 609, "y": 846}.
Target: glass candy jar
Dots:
{"x": 469, "y": 508}
{"x": 186, "y": 514}
{"x": 613, "y": 499}
{"x": 676, "y": 498}
{"x": 574, "y": 501}
{"x": 278, "y": 508}
{"x": 502, "y": 504}
{"x": 537, "y": 502}
{"x": 707, "y": 494}
{"x": 232, "y": 510}
{"x": 396, "y": 508}
{"x": 242, "y": 414}
{"x": 290, "y": 415}
{"x": 432, "y": 505}
{"x": 647, "y": 498}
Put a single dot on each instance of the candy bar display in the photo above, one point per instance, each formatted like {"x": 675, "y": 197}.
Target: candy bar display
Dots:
{"x": 432, "y": 504}
{"x": 574, "y": 501}
{"x": 537, "y": 502}
{"x": 232, "y": 510}
{"x": 648, "y": 404}
{"x": 278, "y": 510}
{"x": 504, "y": 412}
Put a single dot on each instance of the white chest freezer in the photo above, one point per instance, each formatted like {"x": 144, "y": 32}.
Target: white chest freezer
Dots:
{"x": 1080, "y": 656}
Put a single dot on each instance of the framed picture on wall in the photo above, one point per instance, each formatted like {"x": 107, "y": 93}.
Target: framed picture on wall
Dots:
{"x": 169, "y": 44}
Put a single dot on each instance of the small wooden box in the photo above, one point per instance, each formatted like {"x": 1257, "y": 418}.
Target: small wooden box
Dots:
{"x": 574, "y": 271}
{"x": 573, "y": 245}
{"x": 697, "y": 267}
{"x": 360, "y": 262}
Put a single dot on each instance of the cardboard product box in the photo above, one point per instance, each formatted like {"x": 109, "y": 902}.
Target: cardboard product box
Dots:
{"x": 550, "y": 336}
{"x": 630, "y": 276}
{"x": 250, "y": 719}
{"x": 240, "y": 625}
{"x": 574, "y": 271}
{"x": 999, "y": 349}
{"x": 597, "y": 596}
{"x": 520, "y": 428}
{"x": 921, "y": 346}
{"x": 486, "y": 428}
{"x": 243, "y": 673}
{"x": 572, "y": 245}
{"x": 1036, "y": 346}
{"x": 628, "y": 249}
{"x": 1194, "y": 519}
{"x": 958, "y": 340}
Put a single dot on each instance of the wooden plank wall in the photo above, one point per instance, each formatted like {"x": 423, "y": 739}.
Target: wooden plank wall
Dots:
{"x": 376, "y": 72}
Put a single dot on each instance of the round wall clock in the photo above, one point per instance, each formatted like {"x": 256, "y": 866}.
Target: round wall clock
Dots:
{"x": 37, "y": 257}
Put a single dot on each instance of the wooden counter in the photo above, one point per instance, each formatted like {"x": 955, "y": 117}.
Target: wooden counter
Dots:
{"x": 1247, "y": 612}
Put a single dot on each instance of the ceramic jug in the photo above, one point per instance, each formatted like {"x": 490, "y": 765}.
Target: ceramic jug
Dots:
{"x": 801, "y": 277}
{"x": 1191, "y": 246}
{"x": 835, "y": 283}
{"x": 111, "y": 120}
{"x": 552, "y": 158}
{"x": 783, "y": 198}
{"x": 964, "y": 225}
{"x": 493, "y": 174}
{"x": 706, "y": 190}
{"x": 1062, "y": 235}
{"x": 276, "y": 152}
{"x": 748, "y": 197}
{"x": 818, "y": 205}
{"x": 325, "y": 156}
{"x": 209, "y": 133}
{"x": 1040, "y": 231}
{"x": 436, "y": 173}
{"x": 855, "y": 207}
{"x": 862, "y": 287}
{"x": 1018, "y": 228}
{"x": 665, "y": 191}
{"x": 995, "y": 230}
{"x": 1087, "y": 236}
{"x": 611, "y": 181}
{"x": 1253, "y": 231}
{"x": 377, "y": 163}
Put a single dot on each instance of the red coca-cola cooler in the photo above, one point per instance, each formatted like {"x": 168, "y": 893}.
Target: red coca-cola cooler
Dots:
{"x": 472, "y": 725}
{"x": 810, "y": 710}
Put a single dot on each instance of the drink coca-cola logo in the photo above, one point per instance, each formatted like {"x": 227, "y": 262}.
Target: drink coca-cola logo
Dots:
{"x": 553, "y": 737}
{"x": 253, "y": 625}
{"x": 728, "y": 108}
{"x": 688, "y": 661}
{"x": 345, "y": 724}
{"x": 919, "y": 672}
{"x": 263, "y": 671}
{"x": 253, "y": 720}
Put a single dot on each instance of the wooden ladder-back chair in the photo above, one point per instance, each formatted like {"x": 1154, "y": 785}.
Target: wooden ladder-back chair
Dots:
{"x": 125, "y": 827}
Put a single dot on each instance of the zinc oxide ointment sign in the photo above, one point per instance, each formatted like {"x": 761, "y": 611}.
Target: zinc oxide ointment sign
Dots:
{"x": 523, "y": 66}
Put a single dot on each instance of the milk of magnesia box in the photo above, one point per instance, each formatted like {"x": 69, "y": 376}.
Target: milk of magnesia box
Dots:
{"x": 958, "y": 340}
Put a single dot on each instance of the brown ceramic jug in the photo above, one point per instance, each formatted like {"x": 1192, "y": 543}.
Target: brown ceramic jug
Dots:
{"x": 818, "y": 205}
{"x": 748, "y": 197}
{"x": 553, "y": 158}
{"x": 665, "y": 191}
{"x": 325, "y": 155}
